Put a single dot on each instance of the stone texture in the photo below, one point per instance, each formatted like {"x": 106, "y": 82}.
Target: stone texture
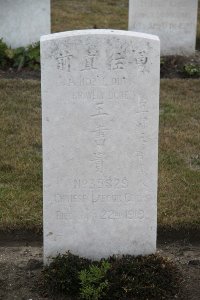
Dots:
{"x": 100, "y": 108}
{"x": 22, "y": 22}
{"x": 174, "y": 21}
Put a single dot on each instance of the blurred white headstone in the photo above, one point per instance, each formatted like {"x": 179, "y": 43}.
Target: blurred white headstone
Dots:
{"x": 23, "y": 22}
{"x": 174, "y": 21}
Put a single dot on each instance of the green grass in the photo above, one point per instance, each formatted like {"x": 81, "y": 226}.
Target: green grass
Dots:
{"x": 21, "y": 157}
{"x": 179, "y": 158}
{"x": 83, "y": 14}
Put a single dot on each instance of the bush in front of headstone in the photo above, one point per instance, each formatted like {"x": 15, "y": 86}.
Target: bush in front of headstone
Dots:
{"x": 61, "y": 277}
{"x": 125, "y": 277}
{"x": 94, "y": 284}
{"x": 142, "y": 277}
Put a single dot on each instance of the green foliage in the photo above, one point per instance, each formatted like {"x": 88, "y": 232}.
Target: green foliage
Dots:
{"x": 142, "y": 277}
{"x": 162, "y": 61}
{"x": 62, "y": 275}
{"x": 3, "y": 48}
{"x": 126, "y": 277}
{"x": 192, "y": 70}
{"x": 93, "y": 282}
{"x": 20, "y": 57}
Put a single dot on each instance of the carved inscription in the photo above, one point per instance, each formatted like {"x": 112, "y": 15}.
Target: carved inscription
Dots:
{"x": 115, "y": 60}
{"x": 126, "y": 214}
{"x": 69, "y": 198}
{"x": 99, "y": 80}
{"x": 92, "y": 95}
{"x": 159, "y": 3}
{"x": 169, "y": 26}
{"x": 104, "y": 215}
{"x": 141, "y": 125}
{"x": 120, "y": 197}
{"x": 94, "y": 197}
{"x": 86, "y": 82}
{"x": 99, "y": 183}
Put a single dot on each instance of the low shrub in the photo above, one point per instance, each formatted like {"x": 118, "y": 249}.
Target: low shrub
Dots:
{"x": 61, "y": 277}
{"x": 20, "y": 57}
{"x": 119, "y": 278}
{"x": 191, "y": 70}
{"x": 142, "y": 277}
{"x": 94, "y": 284}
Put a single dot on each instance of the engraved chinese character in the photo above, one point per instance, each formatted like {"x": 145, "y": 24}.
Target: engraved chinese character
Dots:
{"x": 140, "y": 156}
{"x": 100, "y": 135}
{"x": 99, "y": 161}
{"x": 64, "y": 61}
{"x": 142, "y": 123}
{"x": 140, "y": 160}
{"x": 100, "y": 130}
{"x": 142, "y": 106}
{"x": 99, "y": 110}
{"x": 141, "y": 58}
{"x": 100, "y": 141}
{"x": 117, "y": 59}
{"x": 90, "y": 59}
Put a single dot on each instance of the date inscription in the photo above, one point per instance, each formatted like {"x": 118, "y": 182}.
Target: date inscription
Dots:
{"x": 126, "y": 214}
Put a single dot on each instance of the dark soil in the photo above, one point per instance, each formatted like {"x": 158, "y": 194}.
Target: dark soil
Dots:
{"x": 21, "y": 264}
{"x": 171, "y": 67}
{"x": 23, "y": 74}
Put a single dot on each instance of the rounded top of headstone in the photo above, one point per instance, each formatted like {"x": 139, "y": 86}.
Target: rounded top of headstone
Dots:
{"x": 87, "y": 32}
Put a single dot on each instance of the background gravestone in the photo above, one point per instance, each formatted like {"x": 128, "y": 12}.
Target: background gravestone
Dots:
{"x": 174, "y": 21}
{"x": 22, "y": 22}
{"x": 100, "y": 99}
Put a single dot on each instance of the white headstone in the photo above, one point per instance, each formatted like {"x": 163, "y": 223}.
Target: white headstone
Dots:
{"x": 174, "y": 21}
{"x": 22, "y": 22}
{"x": 100, "y": 107}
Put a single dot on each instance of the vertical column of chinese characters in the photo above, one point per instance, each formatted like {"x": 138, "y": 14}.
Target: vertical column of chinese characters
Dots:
{"x": 141, "y": 125}
{"x": 100, "y": 134}
{"x": 98, "y": 116}
{"x": 114, "y": 63}
{"x": 140, "y": 59}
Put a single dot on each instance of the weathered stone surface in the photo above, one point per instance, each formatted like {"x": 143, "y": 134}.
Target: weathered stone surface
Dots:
{"x": 174, "y": 21}
{"x": 100, "y": 100}
{"x": 22, "y": 22}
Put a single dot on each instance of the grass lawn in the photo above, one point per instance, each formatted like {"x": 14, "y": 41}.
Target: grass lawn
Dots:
{"x": 179, "y": 154}
{"x": 83, "y": 14}
{"x": 21, "y": 157}
{"x": 20, "y": 154}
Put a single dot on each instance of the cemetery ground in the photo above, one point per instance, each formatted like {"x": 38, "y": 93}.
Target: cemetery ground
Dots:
{"x": 21, "y": 183}
{"x": 21, "y": 162}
